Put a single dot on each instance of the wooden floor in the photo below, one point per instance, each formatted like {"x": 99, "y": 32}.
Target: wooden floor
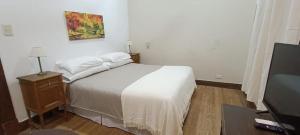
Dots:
{"x": 204, "y": 117}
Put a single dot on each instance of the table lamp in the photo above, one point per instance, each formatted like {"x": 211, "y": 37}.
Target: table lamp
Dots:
{"x": 38, "y": 52}
{"x": 129, "y": 43}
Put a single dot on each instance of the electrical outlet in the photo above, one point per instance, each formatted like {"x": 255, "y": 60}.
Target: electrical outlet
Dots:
{"x": 219, "y": 77}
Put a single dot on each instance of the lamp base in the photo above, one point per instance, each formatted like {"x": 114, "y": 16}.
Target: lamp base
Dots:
{"x": 42, "y": 73}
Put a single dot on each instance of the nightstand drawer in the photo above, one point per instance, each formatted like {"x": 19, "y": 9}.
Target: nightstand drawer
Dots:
{"x": 48, "y": 82}
{"x": 51, "y": 96}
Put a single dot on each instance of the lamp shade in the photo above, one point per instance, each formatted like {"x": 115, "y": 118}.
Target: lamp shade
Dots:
{"x": 129, "y": 43}
{"x": 37, "y": 52}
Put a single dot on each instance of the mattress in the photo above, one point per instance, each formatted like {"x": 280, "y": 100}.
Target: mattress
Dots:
{"x": 101, "y": 92}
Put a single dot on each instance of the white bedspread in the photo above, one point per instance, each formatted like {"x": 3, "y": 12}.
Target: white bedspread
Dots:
{"x": 158, "y": 101}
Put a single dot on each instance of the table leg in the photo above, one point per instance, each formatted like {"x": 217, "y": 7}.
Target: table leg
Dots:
{"x": 29, "y": 117}
{"x": 65, "y": 112}
{"x": 42, "y": 120}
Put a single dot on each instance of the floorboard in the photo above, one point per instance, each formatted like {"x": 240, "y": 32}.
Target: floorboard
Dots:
{"x": 204, "y": 117}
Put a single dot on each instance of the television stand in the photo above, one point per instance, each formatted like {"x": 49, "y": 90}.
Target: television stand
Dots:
{"x": 241, "y": 121}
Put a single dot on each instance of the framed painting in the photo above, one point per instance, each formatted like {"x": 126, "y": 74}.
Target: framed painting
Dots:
{"x": 84, "y": 26}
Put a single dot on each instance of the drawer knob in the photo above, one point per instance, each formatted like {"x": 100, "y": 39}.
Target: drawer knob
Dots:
{"x": 49, "y": 83}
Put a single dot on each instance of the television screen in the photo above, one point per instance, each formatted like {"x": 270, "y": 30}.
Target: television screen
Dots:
{"x": 282, "y": 94}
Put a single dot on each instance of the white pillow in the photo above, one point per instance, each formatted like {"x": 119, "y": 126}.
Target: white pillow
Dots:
{"x": 79, "y": 64}
{"x": 117, "y": 64}
{"x": 115, "y": 57}
{"x": 70, "y": 77}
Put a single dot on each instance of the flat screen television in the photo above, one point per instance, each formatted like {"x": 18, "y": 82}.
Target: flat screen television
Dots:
{"x": 282, "y": 93}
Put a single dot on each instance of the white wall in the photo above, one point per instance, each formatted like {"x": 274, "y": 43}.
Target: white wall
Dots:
{"x": 212, "y": 36}
{"x": 42, "y": 23}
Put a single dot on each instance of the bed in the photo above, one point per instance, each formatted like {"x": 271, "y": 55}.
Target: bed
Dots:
{"x": 138, "y": 98}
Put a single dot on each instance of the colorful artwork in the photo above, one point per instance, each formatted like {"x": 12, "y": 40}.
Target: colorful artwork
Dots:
{"x": 84, "y": 26}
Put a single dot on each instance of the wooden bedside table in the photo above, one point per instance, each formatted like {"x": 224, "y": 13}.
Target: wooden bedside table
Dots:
{"x": 135, "y": 57}
{"x": 42, "y": 93}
